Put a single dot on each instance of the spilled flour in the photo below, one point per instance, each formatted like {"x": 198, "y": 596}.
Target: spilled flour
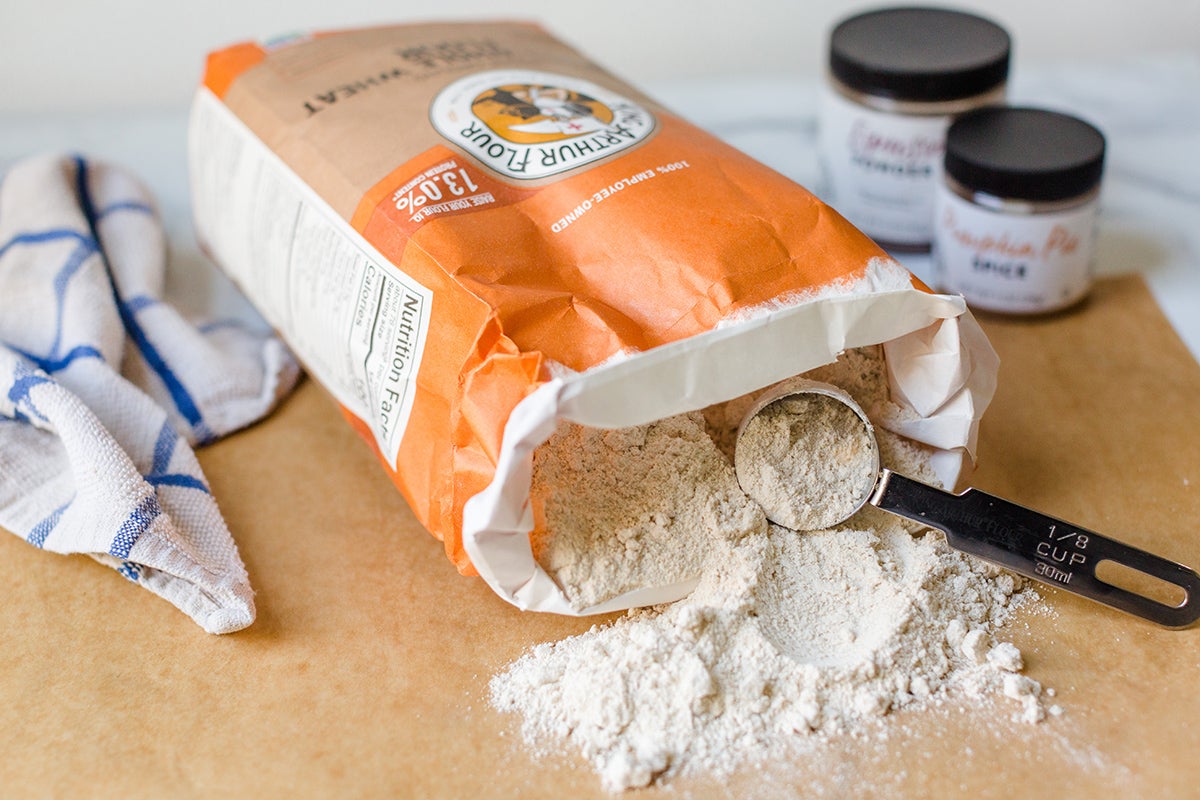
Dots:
{"x": 620, "y": 509}
{"x": 787, "y": 636}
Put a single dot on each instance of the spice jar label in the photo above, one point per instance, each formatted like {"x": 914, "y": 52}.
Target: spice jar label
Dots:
{"x": 881, "y": 168}
{"x": 1013, "y": 263}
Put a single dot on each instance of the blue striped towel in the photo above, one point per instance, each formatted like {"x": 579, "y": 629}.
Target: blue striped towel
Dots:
{"x": 105, "y": 388}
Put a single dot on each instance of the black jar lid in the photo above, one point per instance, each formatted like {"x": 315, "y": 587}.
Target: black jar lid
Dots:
{"x": 919, "y": 54}
{"x": 1024, "y": 153}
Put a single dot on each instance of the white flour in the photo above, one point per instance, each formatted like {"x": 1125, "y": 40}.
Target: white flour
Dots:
{"x": 633, "y": 507}
{"x": 787, "y": 636}
{"x": 807, "y": 459}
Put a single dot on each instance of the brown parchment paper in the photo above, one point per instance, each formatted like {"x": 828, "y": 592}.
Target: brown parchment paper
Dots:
{"x": 366, "y": 672}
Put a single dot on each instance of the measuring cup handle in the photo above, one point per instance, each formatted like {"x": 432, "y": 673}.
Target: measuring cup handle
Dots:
{"x": 1040, "y": 547}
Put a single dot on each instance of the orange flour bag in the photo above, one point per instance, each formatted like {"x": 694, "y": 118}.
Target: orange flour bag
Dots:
{"x": 469, "y": 232}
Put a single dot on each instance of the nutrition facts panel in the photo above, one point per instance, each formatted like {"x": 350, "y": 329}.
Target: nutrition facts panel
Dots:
{"x": 354, "y": 320}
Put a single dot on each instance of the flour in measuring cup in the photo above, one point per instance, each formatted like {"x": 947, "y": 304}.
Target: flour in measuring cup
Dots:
{"x": 808, "y": 459}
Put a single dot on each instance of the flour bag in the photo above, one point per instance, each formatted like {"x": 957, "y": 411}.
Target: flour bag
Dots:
{"x": 469, "y": 232}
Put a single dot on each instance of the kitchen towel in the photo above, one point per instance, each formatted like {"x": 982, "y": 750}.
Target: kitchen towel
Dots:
{"x": 105, "y": 388}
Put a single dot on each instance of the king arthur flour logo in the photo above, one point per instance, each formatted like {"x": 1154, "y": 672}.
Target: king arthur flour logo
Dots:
{"x": 527, "y": 124}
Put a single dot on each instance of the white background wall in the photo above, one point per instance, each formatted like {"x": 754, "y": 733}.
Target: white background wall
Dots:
{"x": 137, "y": 54}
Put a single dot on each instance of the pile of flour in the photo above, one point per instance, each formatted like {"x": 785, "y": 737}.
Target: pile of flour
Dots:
{"x": 616, "y": 510}
{"x": 787, "y": 636}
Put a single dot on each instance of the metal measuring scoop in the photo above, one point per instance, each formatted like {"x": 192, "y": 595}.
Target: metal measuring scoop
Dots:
{"x": 1029, "y": 543}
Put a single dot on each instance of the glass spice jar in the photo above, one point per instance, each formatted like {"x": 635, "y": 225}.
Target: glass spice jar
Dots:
{"x": 897, "y": 77}
{"x": 1015, "y": 210}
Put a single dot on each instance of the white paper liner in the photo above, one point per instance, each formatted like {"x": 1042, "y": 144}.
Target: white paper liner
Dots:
{"x": 940, "y": 368}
